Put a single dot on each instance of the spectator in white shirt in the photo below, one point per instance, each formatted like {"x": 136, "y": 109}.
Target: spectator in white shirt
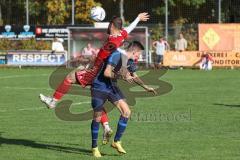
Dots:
{"x": 57, "y": 45}
{"x": 89, "y": 51}
{"x": 181, "y": 43}
{"x": 161, "y": 46}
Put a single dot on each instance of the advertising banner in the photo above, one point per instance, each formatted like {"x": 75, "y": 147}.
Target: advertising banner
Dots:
{"x": 17, "y": 33}
{"x": 192, "y": 58}
{"x": 3, "y": 59}
{"x": 36, "y": 58}
{"x": 50, "y": 32}
{"x": 39, "y": 32}
{"x": 219, "y": 37}
{"x": 187, "y": 58}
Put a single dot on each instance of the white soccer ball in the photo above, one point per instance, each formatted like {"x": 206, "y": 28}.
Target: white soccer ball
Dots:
{"x": 98, "y": 13}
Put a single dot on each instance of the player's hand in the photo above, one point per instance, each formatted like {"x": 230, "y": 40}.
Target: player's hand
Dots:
{"x": 129, "y": 78}
{"x": 124, "y": 72}
{"x": 143, "y": 16}
{"x": 149, "y": 89}
{"x": 125, "y": 75}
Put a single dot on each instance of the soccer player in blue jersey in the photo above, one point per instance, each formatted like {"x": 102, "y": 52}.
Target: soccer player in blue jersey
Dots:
{"x": 105, "y": 88}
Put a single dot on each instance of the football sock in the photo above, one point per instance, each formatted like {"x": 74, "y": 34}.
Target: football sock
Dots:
{"x": 106, "y": 126}
{"x": 62, "y": 89}
{"x": 104, "y": 121}
{"x": 94, "y": 131}
{"x": 104, "y": 117}
{"x": 122, "y": 124}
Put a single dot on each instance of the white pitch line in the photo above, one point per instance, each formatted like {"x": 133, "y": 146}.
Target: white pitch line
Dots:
{"x": 40, "y": 108}
{"x": 31, "y": 109}
{"x": 79, "y": 103}
{"x": 27, "y": 88}
{"x": 19, "y": 76}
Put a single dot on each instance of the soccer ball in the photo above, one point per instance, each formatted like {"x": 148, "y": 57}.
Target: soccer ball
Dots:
{"x": 98, "y": 13}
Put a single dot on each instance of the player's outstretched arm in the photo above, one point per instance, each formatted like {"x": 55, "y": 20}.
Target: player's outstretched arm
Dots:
{"x": 109, "y": 72}
{"x": 139, "y": 81}
{"x": 141, "y": 17}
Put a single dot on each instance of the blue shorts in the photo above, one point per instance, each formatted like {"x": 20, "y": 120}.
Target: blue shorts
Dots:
{"x": 99, "y": 97}
{"x": 159, "y": 58}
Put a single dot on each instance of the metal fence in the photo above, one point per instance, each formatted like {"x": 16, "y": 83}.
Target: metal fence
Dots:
{"x": 18, "y": 12}
{"x": 168, "y": 19}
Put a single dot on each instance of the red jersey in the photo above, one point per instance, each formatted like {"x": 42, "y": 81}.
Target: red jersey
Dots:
{"x": 112, "y": 43}
{"x": 119, "y": 39}
{"x": 86, "y": 77}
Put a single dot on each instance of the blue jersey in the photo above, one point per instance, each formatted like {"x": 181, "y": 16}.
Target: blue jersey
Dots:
{"x": 101, "y": 82}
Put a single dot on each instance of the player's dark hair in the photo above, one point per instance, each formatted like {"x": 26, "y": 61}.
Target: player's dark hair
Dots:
{"x": 116, "y": 22}
{"x": 134, "y": 45}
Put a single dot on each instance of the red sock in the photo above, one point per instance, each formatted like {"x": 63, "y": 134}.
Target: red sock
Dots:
{"x": 104, "y": 117}
{"x": 62, "y": 89}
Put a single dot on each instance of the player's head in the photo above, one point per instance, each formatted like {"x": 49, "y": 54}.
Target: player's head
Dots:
{"x": 134, "y": 50}
{"x": 115, "y": 25}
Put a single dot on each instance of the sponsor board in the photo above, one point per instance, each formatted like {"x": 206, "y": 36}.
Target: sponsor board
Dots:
{"x": 192, "y": 58}
{"x": 36, "y": 58}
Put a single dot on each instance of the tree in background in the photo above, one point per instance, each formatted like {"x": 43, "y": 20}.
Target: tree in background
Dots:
{"x": 12, "y": 10}
{"x": 179, "y": 7}
{"x": 36, "y": 8}
{"x": 83, "y": 8}
{"x": 57, "y": 11}
{"x": 2, "y": 6}
{"x": 182, "y": 14}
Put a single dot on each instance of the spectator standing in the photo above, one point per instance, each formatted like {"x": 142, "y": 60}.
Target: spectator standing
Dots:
{"x": 89, "y": 51}
{"x": 161, "y": 46}
{"x": 181, "y": 43}
{"x": 57, "y": 45}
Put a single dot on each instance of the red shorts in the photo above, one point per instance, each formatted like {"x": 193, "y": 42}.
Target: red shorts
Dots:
{"x": 86, "y": 77}
{"x": 82, "y": 79}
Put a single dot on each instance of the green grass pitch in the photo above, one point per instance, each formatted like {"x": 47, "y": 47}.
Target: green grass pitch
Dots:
{"x": 198, "y": 120}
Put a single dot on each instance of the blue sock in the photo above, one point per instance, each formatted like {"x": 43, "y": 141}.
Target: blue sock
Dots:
{"x": 94, "y": 131}
{"x": 122, "y": 124}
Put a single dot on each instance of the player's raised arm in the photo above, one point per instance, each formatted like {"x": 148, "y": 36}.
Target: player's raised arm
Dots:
{"x": 141, "y": 17}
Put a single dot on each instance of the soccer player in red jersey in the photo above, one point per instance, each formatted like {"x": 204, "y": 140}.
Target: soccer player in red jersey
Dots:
{"x": 117, "y": 35}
